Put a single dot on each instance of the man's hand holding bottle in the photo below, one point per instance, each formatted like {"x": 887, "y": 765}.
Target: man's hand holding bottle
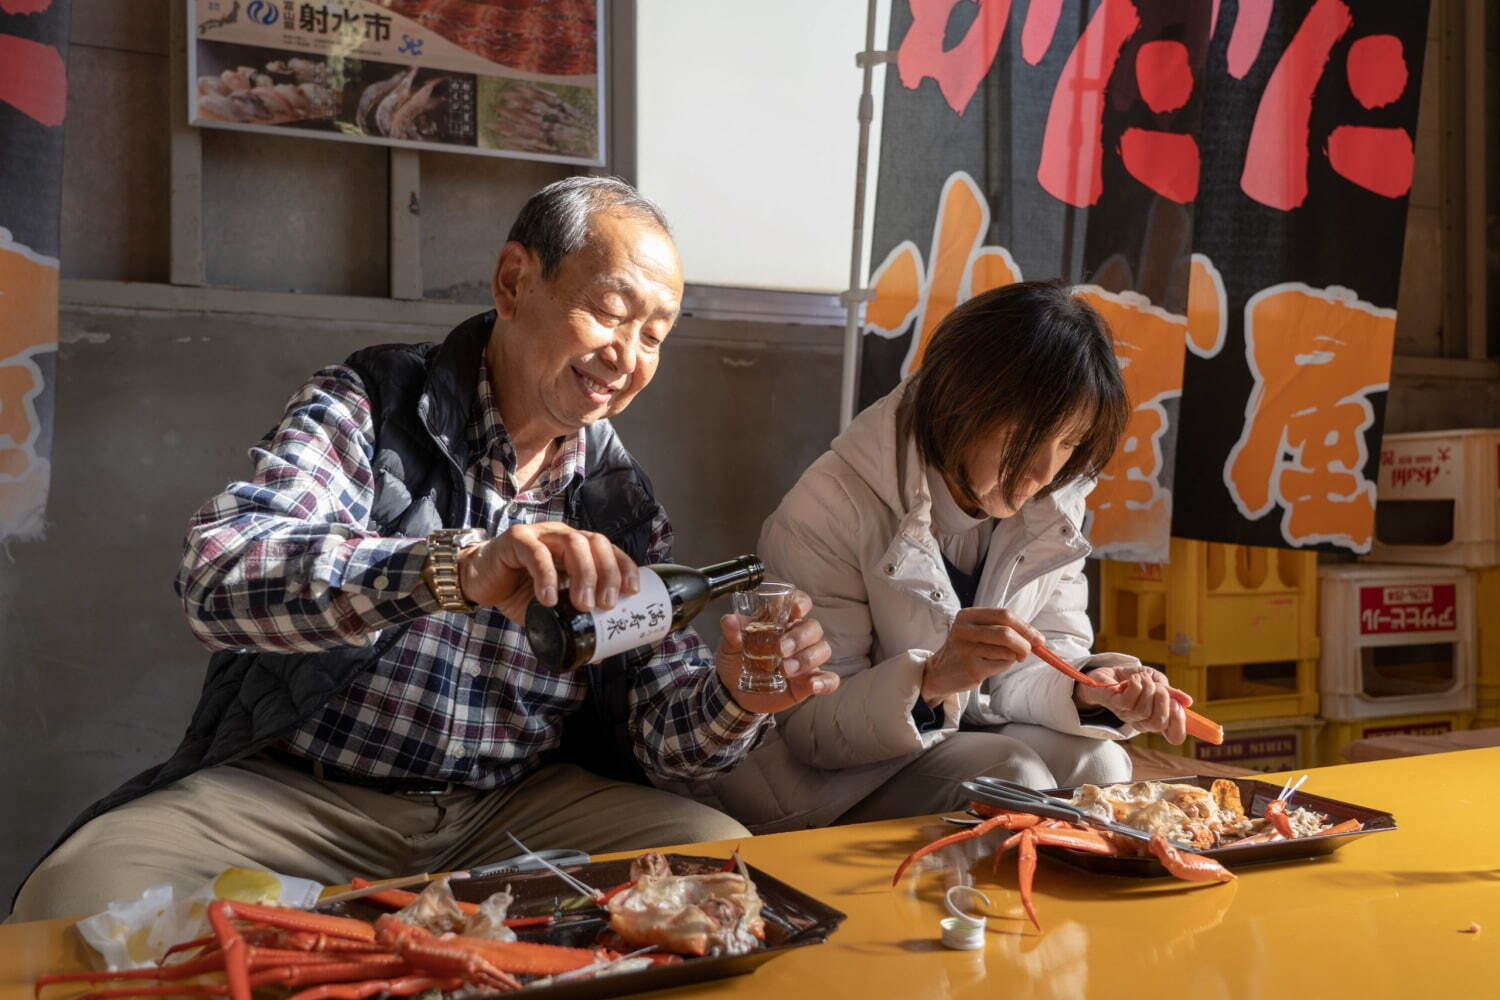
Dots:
{"x": 535, "y": 562}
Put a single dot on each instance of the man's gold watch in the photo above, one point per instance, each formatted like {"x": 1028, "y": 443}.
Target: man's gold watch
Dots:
{"x": 442, "y": 556}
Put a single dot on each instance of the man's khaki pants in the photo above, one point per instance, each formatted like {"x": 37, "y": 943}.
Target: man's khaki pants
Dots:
{"x": 261, "y": 814}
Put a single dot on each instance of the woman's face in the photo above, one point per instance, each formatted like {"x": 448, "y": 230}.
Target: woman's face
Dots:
{"x": 982, "y": 467}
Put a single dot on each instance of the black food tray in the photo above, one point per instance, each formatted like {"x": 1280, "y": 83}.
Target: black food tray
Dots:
{"x": 1253, "y": 795}
{"x": 793, "y": 919}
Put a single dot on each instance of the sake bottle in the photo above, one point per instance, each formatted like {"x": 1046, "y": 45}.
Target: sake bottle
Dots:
{"x": 670, "y": 596}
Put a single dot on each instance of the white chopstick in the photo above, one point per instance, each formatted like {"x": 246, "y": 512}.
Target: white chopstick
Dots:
{"x": 392, "y": 883}
{"x": 584, "y": 890}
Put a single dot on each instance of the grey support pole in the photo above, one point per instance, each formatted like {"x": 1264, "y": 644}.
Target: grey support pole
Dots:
{"x": 857, "y": 294}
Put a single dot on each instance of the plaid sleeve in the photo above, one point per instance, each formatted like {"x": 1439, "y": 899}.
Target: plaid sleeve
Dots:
{"x": 286, "y": 560}
{"x": 683, "y": 720}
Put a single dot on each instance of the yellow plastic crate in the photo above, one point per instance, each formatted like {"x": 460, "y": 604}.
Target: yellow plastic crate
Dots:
{"x": 1235, "y": 626}
{"x": 1213, "y": 603}
{"x": 1487, "y": 706}
{"x": 1487, "y": 646}
{"x": 1337, "y": 735}
{"x": 1487, "y": 634}
{"x": 1244, "y": 692}
{"x": 1256, "y": 744}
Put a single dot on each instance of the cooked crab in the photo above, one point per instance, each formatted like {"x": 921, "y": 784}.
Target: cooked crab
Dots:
{"x": 717, "y": 914}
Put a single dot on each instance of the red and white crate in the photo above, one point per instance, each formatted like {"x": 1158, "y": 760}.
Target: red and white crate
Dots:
{"x": 1438, "y": 499}
{"x": 1397, "y": 640}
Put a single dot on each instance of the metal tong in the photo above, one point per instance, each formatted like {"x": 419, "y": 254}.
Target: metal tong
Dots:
{"x": 1009, "y": 795}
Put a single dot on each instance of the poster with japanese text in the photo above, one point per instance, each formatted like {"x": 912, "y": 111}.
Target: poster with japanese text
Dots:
{"x": 1226, "y": 182}
{"x": 33, "y": 104}
{"x": 520, "y": 78}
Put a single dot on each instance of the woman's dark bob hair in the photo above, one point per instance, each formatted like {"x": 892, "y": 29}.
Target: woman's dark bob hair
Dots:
{"x": 1030, "y": 360}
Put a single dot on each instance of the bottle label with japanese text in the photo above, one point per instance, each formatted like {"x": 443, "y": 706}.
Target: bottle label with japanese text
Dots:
{"x": 641, "y": 619}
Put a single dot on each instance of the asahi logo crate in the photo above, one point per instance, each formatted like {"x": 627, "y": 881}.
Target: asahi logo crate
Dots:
{"x": 1408, "y": 608}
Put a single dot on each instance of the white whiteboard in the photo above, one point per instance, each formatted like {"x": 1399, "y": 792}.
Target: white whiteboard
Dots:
{"x": 747, "y": 135}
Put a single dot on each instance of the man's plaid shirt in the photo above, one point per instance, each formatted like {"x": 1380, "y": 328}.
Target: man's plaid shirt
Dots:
{"x": 288, "y": 561}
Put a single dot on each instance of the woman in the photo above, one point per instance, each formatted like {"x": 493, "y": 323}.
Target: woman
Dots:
{"x": 939, "y": 537}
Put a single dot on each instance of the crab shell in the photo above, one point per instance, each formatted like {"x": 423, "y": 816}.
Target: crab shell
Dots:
{"x": 716, "y": 914}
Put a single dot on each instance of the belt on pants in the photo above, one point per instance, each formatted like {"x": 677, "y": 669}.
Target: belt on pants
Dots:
{"x": 389, "y": 785}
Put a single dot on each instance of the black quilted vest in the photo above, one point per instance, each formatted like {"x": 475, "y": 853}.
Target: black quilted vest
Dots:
{"x": 421, "y": 396}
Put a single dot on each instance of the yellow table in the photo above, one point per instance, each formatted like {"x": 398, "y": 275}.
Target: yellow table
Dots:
{"x": 1384, "y": 917}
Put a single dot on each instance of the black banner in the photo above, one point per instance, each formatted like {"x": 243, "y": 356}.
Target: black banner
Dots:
{"x": 1226, "y": 182}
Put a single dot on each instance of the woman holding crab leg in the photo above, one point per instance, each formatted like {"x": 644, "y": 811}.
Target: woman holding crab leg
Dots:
{"x": 939, "y": 538}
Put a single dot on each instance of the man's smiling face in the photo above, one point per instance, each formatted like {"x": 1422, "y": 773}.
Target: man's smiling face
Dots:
{"x": 590, "y": 337}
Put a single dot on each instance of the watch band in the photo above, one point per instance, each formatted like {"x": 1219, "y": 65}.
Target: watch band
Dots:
{"x": 442, "y": 555}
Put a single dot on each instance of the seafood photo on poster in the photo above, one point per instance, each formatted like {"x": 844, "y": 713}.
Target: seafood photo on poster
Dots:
{"x": 514, "y": 78}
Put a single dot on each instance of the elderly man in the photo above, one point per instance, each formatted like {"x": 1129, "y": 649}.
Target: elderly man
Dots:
{"x": 374, "y": 708}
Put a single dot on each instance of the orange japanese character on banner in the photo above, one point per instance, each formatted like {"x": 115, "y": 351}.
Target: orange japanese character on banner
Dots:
{"x": 1207, "y": 309}
{"x": 1316, "y": 355}
{"x": 904, "y": 291}
{"x": 28, "y": 326}
{"x": 1130, "y": 511}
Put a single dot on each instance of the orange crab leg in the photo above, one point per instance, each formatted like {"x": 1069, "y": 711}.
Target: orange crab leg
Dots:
{"x": 399, "y": 899}
{"x": 1347, "y": 826}
{"x": 1026, "y": 871}
{"x": 331, "y": 972}
{"x": 974, "y": 832}
{"x": 255, "y": 958}
{"x": 402, "y": 898}
{"x": 268, "y": 966}
{"x": 1060, "y": 834}
{"x": 223, "y": 912}
{"x": 163, "y": 990}
{"x": 181, "y": 970}
{"x": 1188, "y": 866}
{"x": 403, "y": 987}
{"x": 442, "y": 956}
{"x": 201, "y": 942}
{"x": 1010, "y": 842}
{"x": 529, "y": 957}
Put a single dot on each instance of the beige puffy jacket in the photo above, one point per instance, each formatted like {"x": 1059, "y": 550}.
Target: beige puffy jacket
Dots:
{"x": 855, "y": 533}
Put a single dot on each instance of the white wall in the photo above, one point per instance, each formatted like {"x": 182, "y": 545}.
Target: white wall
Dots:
{"x": 748, "y": 133}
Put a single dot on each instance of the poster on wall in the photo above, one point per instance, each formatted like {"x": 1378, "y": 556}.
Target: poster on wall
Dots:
{"x": 33, "y": 104}
{"x": 1225, "y": 183}
{"x": 517, "y": 78}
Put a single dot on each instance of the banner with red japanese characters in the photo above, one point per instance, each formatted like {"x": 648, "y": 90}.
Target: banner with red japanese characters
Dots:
{"x": 33, "y": 103}
{"x": 1225, "y": 182}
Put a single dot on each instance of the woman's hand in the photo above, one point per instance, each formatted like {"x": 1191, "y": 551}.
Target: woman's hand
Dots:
{"x": 1139, "y": 695}
{"x": 803, "y": 651}
{"x": 981, "y": 643}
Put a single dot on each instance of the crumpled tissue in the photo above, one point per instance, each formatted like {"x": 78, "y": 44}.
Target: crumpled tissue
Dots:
{"x": 136, "y": 933}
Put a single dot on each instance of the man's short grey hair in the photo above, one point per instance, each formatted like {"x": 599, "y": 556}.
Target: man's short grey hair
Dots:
{"x": 555, "y": 221}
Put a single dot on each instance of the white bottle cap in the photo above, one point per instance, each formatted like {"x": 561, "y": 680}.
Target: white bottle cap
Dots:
{"x": 963, "y": 931}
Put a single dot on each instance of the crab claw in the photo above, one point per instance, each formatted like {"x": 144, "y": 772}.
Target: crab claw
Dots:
{"x": 1276, "y": 815}
{"x": 1188, "y": 866}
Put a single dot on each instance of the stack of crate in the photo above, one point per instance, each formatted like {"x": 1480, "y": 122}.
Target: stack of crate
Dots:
{"x": 1398, "y": 654}
{"x": 1234, "y": 626}
{"x": 1411, "y": 635}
